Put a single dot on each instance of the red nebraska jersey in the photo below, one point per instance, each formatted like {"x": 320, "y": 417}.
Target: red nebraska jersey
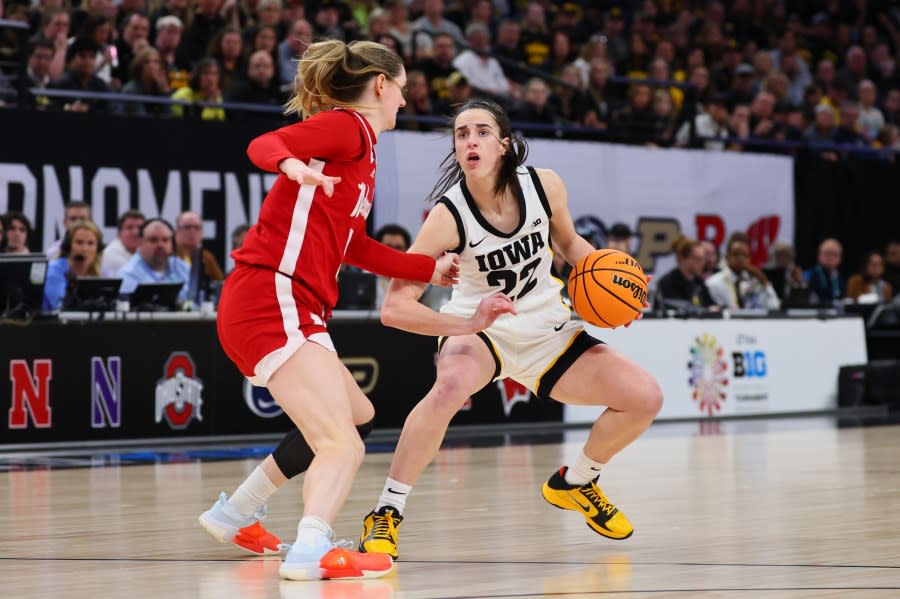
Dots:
{"x": 301, "y": 232}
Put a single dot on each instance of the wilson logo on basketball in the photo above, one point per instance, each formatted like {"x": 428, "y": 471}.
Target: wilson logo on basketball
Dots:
{"x": 178, "y": 393}
{"x": 637, "y": 292}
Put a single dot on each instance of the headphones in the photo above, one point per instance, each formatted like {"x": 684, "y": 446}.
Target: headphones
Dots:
{"x": 65, "y": 248}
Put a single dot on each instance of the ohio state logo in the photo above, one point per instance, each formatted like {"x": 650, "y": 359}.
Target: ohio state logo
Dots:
{"x": 178, "y": 393}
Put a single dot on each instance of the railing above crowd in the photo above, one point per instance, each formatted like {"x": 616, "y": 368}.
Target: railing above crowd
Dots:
{"x": 582, "y": 101}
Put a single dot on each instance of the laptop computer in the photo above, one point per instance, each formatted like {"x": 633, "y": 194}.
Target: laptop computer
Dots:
{"x": 155, "y": 297}
{"x": 22, "y": 279}
{"x": 92, "y": 294}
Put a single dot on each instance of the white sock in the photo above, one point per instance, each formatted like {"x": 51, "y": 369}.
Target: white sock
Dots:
{"x": 312, "y": 528}
{"x": 253, "y": 492}
{"x": 394, "y": 494}
{"x": 583, "y": 470}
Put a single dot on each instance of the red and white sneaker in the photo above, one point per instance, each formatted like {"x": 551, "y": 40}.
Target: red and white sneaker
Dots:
{"x": 226, "y": 525}
{"x": 327, "y": 560}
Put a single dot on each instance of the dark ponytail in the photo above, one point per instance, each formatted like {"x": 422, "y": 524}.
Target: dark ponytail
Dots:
{"x": 517, "y": 152}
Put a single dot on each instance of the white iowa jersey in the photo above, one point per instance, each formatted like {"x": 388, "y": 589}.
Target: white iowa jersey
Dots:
{"x": 516, "y": 263}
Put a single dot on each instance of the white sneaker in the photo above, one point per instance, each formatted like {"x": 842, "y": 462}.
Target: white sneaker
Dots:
{"x": 227, "y": 525}
{"x": 325, "y": 559}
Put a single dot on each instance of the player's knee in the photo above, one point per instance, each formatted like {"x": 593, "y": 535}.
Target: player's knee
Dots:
{"x": 649, "y": 398}
{"x": 449, "y": 390}
{"x": 346, "y": 448}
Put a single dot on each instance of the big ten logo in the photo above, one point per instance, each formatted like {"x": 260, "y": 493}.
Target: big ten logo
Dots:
{"x": 365, "y": 372}
{"x": 179, "y": 392}
{"x": 749, "y": 364}
{"x": 763, "y": 233}
{"x": 30, "y": 393}
{"x": 106, "y": 392}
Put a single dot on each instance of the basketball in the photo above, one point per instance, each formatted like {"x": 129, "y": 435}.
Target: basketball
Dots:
{"x": 608, "y": 288}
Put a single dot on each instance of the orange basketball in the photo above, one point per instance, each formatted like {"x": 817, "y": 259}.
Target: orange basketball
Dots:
{"x": 608, "y": 288}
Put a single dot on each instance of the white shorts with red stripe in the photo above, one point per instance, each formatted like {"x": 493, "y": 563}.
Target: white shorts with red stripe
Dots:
{"x": 264, "y": 317}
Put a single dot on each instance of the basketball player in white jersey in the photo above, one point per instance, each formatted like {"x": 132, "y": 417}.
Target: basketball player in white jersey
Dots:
{"x": 499, "y": 216}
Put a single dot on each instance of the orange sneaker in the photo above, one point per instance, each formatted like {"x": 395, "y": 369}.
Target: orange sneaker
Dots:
{"x": 324, "y": 559}
{"x": 227, "y": 526}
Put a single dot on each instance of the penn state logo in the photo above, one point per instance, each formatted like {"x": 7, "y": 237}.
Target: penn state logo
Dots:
{"x": 179, "y": 392}
{"x": 260, "y": 401}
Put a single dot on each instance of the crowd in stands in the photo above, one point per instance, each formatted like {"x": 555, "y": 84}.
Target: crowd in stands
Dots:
{"x": 145, "y": 250}
{"x": 823, "y": 71}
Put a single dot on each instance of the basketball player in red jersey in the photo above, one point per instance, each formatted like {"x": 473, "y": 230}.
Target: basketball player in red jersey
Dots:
{"x": 274, "y": 305}
{"x": 499, "y": 217}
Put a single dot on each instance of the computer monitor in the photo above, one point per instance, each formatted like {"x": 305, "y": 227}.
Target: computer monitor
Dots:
{"x": 356, "y": 291}
{"x": 155, "y": 297}
{"x": 22, "y": 279}
{"x": 92, "y": 294}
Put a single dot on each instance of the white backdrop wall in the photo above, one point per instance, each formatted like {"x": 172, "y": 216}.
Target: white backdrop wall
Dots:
{"x": 706, "y": 195}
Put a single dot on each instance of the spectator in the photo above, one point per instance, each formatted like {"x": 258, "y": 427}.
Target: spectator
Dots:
{"x": 824, "y": 279}
{"x": 292, "y": 48}
{"x": 534, "y": 36}
{"x": 561, "y": 53}
{"x": 123, "y": 247}
{"x": 18, "y": 233}
{"x": 892, "y": 264}
{"x": 55, "y": 34}
{"x": 203, "y": 27}
{"x": 393, "y": 236}
{"x": 709, "y": 125}
{"x": 327, "y": 21}
{"x": 868, "y": 286}
{"x": 153, "y": 262}
{"x": 135, "y": 36}
{"x": 534, "y": 107}
{"x": 99, "y": 29}
{"x": 636, "y": 122}
{"x": 892, "y": 107}
{"x": 418, "y": 101}
{"x": 711, "y": 258}
{"x": 507, "y": 46}
{"x": 870, "y": 118}
{"x": 147, "y": 79}
{"x": 38, "y": 73}
{"x": 260, "y": 86}
{"x": 75, "y": 211}
{"x": 855, "y": 69}
{"x": 595, "y": 48}
{"x": 664, "y": 122}
{"x": 189, "y": 247}
{"x": 171, "y": 8}
{"x": 399, "y": 26}
{"x": 440, "y": 65}
{"x": 478, "y": 66}
{"x": 569, "y": 101}
{"x": 784, "y": 274}
{"x": 80, "y": 256}
{"x": 740, "y": 285}
{"x": 168, "y": 37}
{"x": 81, "y": 58}
{"x": 459, "y": 91}
{"x": 266, "y": 39}
{"x": 599, "y": 111}
{"x": 847, "y": 131}
{"x": 742, "y": 85}
{"x": 620, "y": 237}
{"x": 433, "y": 21}
{"x": 203, "y": 86}
{"x": 822, "y": 129}
{"x": 227, "y": 48}
{"x": 685, "y": 282}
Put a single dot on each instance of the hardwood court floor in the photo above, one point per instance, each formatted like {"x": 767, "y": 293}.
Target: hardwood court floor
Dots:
{"x": 774, "y": 513}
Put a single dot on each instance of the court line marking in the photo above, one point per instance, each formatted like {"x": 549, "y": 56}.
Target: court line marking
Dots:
{"x": 457, "y": 562}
